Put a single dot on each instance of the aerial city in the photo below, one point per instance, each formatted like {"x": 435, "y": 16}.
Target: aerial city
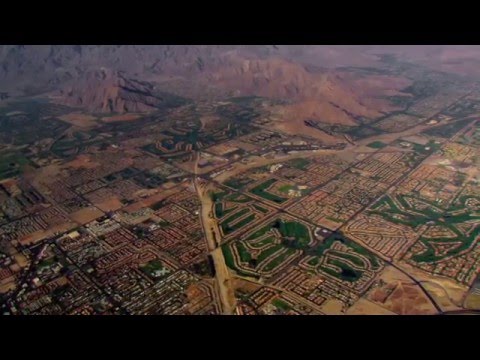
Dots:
{"x": 239, "y": 180}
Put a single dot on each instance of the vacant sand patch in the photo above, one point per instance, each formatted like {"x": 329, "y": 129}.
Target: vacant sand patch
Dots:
{"x": 472, "y": 302}
{"x": 21, "y": 259}
{"x": 151, "y": 200}
{"x": 6, "y": 287}
{"x": 79, "y": 120}
{"x": 245, "y": 286}
{"x": 455, "y": 291}
{"x": 43, "y": 234}
{"x": 400, "y": 294}
{"x": 86, "y": 215}
{"x": 332, "y": 307}
{"x": 440, "y": 295}
{"x": 366, "y": 307}
{"x": 81, "y": 161}
{"x": 111, "y": 204}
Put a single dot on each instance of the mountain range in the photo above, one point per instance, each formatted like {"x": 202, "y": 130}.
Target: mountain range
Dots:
{"x": 316, "y": 82}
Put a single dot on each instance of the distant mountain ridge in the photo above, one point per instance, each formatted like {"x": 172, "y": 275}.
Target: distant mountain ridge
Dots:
{"x": 108, "y": 91}
{"x": 128, "y": 78}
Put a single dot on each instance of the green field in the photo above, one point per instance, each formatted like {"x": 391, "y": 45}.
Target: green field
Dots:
{"x": 238, "y": 198}
{"x": 260, "y": 232}
{"x": 220, "y": 210}
{"x": 347, "y": 273}
{"x": 227, "y": 228}
{"x": 11, "y": 164}
{"x": 278, "y": 260}
{"x": 299, "y": 163}
{"x": 238, "y": 183}
{"x": 230, "y": 261}
{"x": 260, "y": 208}
{"x": 268, "y": 252}
{"x": 295, "y": 234}
{"x": 377, "y": 145}
{"x": 285, "y": 188}
{"x": 217, "y": 195}
{"x": 280, "y": 304}
{"x": 235, "y": 216}
{"x": 260, "y": 190}
{"x": 154, "y": 266}
{"x": 227, "y": 254}
{"x": 243, "y": 252}
{"x": 262, "y": 243}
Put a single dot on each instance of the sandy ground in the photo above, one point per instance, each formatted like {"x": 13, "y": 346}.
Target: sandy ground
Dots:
{"x": 86, "y": 215}
{"x": 124, "y": 117}
{"x": 79, "y": 120}
{"x": 212, "y": 234}
{"x": 366, "y": 307}
{"x": 7, "y": 286}
{"x": 152, "y": 199}
{"x": 400, "y": 294}
{"x": 440, "y": 295}
{"x": 224, "y": 281}
{"x": 190, "y": 167}
{"x": 454, "y": 291}
{"x": 45, "y": 175}
{"x": 245, "y": 286}
{"x": 472, "y": 302}
{"x": 21, "y": 260}
{"x": 81, "y": 161}
{"x": 111, "y": 204}
{"x": 42, "y": 234}
{"x": 332, "y": 307}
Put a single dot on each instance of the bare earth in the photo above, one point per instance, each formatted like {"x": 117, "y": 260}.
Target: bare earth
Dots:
{"x": 366, "y": 307}
{"x": 79, "y": 120}
{"x": 86, "y": 215}
{"x": 124, "y": 117}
